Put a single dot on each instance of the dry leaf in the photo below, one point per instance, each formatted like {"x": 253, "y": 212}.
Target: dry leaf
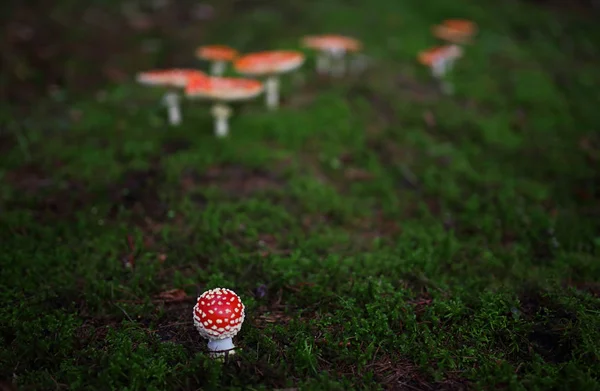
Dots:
{"x": 172, "y": 295}
{"x": 358, "y": 174}
{"x": 429, "y": 118}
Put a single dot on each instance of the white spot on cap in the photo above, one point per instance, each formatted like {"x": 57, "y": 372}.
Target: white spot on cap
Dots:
{"x": 220, "y": 303}
{"x": 219, "y": 321}
{"x": 227, "y": 327}
{"x": 211, "y": 312}
{"x": 214, "y": 327}
{"x": 221, "y": 329}
{"x": 206, "y": 323}
{"x": 232, "y": 299}
{"x": 228, "y": 311}
{"x": 220, "y": 312}
{"x": 236, "y": 309}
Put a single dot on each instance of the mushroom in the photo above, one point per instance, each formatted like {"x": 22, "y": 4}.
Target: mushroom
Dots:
{"x": 270, "y": 64}
{"x": 331, "y": 49}
{"x": 457, "y": 31}
{"x": 222, "y": 90}
{"x": 173, "y": 78}
{"x": 441, "y": 60}
{"x": 218, "y": 317}
{"x": 218, "y": 55}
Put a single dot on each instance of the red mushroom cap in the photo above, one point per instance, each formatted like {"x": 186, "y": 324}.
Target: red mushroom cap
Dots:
{"x": 218, "y": 314}
{"x": 216, "y": 53}
{"x": 429, "y": 56}
{"x": 331, "y": 42}
{"x": 175, "y": 77}
{"x": 223, "y": 88}
{"x": 269, "y": 62}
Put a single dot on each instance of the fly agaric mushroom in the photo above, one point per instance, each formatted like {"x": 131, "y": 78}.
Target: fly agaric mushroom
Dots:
{"x": 218, "y": 317}
{"x": 174, "y": 78}
{"x": 218, "y": 55}
{"x": 222, "y": 90}
{"x": 457, "y": 31}
{"x": 270, "y": 64}
{"x": 331, "y": 48}
{"x": 441, "y": 60}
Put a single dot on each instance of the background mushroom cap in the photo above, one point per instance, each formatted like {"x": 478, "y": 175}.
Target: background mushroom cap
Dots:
{"x": 219, "y": 314}
{"x": 270, "y": 62}
{"x": 169, "y": 77}
{"x": 223, "y": 88}
{"x": 455, "y": 30}
{"x": 460, "y": 25}
{"x": 216, "y": 53}
{"x": 429, "y": 56}
{"x": 332, "y": 42}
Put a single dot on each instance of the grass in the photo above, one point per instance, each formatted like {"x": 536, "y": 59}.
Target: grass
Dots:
{"x": 380, "y": 234}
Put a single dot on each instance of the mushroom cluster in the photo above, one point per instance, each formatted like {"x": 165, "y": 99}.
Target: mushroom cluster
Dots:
{"x": 266, "y": 65}
{"x": 441, "y": 59}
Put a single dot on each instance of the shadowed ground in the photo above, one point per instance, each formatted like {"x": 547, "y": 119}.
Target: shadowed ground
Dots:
{"x": 381, "y": 235}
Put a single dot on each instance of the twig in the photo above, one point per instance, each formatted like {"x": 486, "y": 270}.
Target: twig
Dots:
{"x": 23, "y": 143}
{"x": 125, "y": 312}
{"x": 160, "y": 301}
{"x": 175, "y": 324}
{"x": 130, "y": 258}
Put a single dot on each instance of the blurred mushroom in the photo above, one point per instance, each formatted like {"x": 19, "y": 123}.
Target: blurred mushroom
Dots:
{"x": 331, "y": 51}
{"x": 218, "y": 55}
{"x": 270, "y": 64}
{"x": 173, "y": 78}
{"x": 458, "y": 31}
{"x": 222, "y": 90}
{"x": 218, "y": 317}
{"x": 441, "y": 60}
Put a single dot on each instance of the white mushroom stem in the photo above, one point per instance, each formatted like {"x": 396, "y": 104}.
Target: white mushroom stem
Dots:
{"x": 221, "y": 113}
{"x": 218, "y": 347}
{"x": 272, "y": 92}
{"x": 217, "y": 68}
{"x": 171, "y": 100}
{"x": 323, "y": 63}
{"x": 439, "y": 70}
{"x": 338, "y": 57}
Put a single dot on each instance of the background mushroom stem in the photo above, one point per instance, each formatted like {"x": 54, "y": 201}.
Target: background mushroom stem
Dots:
{"x": 217, "y": 68}
{"x": 221, "y": 113}
{"x": 272, "y": 92}
{"x": 338, "y": 57}
{"x": 323, "y": 63}
{"x": 439, "y": 70}
{"x": 171, "y": 100}
{"x": 218, "y": 347}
